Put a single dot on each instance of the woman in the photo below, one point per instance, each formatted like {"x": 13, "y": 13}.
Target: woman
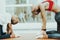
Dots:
{"x": 49, "y": 5}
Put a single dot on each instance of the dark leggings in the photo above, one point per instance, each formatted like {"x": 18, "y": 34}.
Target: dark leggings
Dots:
{"x": 57, "y": 18}
{"x": 2, "y": 34}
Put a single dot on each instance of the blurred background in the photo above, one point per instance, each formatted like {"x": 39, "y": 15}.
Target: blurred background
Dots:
{"x": 22, "y": 9}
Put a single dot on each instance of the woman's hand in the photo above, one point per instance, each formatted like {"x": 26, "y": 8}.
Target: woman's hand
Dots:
{"x": 44, "y": 34}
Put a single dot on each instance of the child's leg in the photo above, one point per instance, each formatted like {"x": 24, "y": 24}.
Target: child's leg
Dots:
{"x": 1, "y": 30}
{"x": 5, "y": 36}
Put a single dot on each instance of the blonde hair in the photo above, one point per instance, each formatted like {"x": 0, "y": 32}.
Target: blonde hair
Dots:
{"x": 14, "y": 20}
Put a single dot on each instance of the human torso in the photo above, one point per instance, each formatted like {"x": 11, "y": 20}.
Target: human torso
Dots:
{"x": 48, "y": 5}
{"x": 51, "y": 6}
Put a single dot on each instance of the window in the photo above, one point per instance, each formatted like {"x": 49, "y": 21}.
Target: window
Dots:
{"x": 22, "y": 8}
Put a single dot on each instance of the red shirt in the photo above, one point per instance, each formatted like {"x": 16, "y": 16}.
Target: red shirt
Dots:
{"x": 51, "y": 3}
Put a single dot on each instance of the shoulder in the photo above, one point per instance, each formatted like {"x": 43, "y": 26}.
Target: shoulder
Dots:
{"x": 45, "y": 4}
{"x": 9, "y": 25}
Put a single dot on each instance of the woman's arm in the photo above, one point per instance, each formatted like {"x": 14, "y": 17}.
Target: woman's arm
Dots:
{"x": 43, "y": 21}
{"x": 35, "y": 11}
{"x": 43, "y": 16}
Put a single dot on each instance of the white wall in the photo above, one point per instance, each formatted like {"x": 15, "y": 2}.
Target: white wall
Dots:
{"x": 58, "y": 2}
{"x": 2, "y": 6}
{"x": 35, "y": 2}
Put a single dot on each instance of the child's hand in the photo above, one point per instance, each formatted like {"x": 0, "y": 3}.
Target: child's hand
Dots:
{"x": 12, "y": 35}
